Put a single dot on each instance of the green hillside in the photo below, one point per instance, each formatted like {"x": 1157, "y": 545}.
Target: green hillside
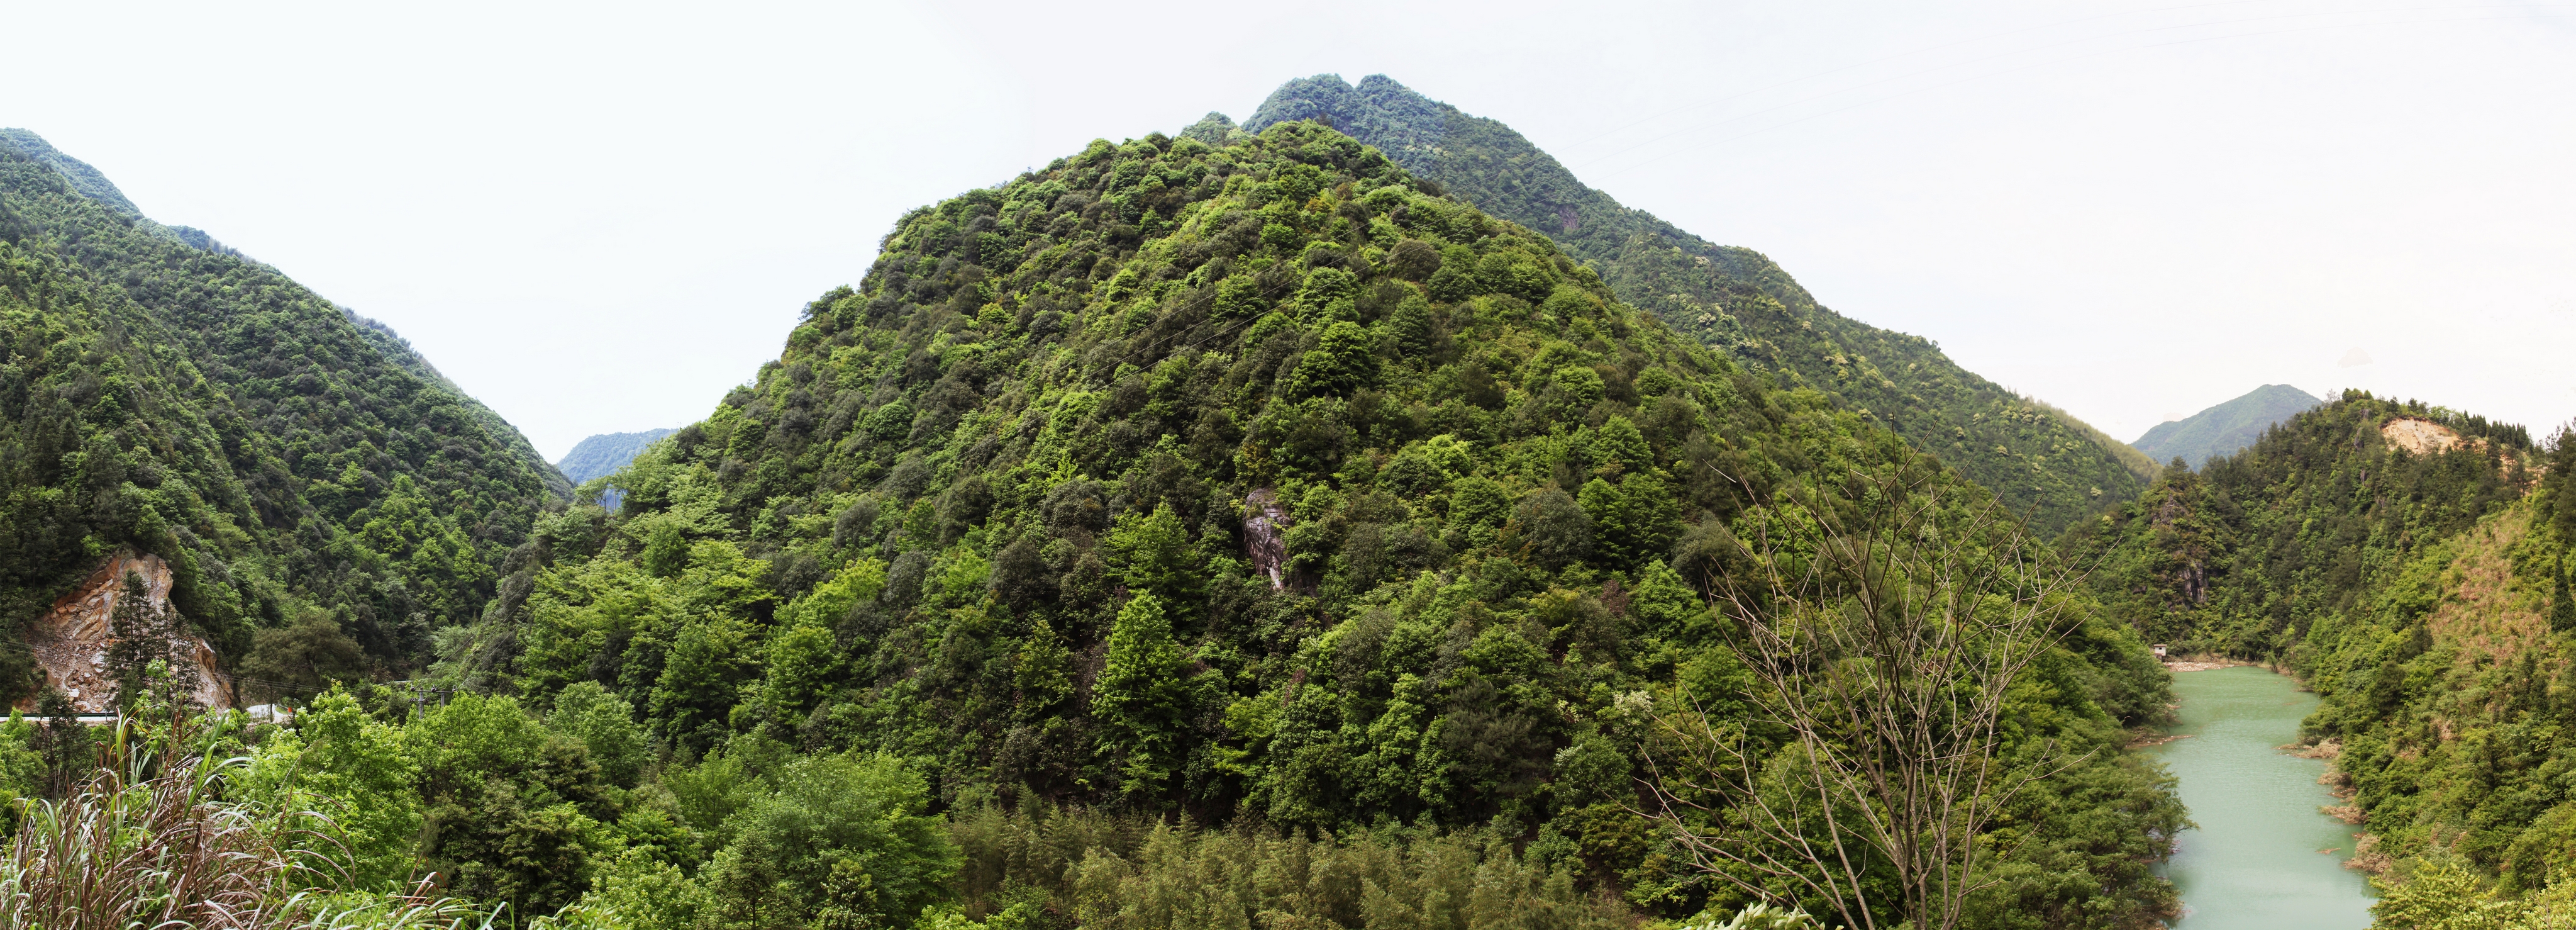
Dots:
{"x": 2247, "y": 555}
{"x": 2449, "y": 687}
{"x": 1251, "y": 484}
{"x": 2225, "y": 428}
{"x": 310, "y": 477}
{"x": 1733, "y": 299}
{"x": 2410, "y": 565}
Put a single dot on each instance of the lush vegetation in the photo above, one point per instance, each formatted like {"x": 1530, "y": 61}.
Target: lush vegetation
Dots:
{"x": 311, "y": 481}
{"x": 2423, "y": 594}
{"x": 2035, "y": 458}
{"x": 1184, "y": 534}
{"x": 2449, "y": 698}
{"x": 2246, "y": 556}
{"x": 976, "y": 547}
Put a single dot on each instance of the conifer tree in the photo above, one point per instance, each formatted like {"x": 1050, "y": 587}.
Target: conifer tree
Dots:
{"x": 1140, "y": 699}
{"x": 146, "y": 633}
{"x": 2562, "y": 608}
{"x": 1619, "y": 442}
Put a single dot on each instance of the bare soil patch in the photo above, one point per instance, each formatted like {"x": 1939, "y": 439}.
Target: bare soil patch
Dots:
{"x": 2422, "y": 437}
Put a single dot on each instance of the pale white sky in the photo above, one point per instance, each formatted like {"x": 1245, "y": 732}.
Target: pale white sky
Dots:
{"x": 598, "y": 217}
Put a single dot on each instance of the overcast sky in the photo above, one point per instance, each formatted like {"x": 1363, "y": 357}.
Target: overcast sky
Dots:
{"x": 597, "y": 218}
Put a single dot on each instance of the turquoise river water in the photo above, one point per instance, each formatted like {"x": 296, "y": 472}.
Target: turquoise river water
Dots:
{"x": 2262, "y": 856}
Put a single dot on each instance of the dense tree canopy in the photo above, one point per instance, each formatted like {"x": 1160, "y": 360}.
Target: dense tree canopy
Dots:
{"x": 2409, "y": 563}
{"x": 987, "y": 515}
{"x": 1226, "y": 479}
{"x": 294, "y": 463}
{"x": 2036, "y": 458}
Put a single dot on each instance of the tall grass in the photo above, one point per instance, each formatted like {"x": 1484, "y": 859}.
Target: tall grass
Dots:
{"x": 148, "y": 841}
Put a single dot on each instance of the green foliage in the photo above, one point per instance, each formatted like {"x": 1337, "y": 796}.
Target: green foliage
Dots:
{"x": 834, "y": 841}
{"x": 1152, "y": 555}
{"x": 2416, "y": 593}
{"x": 299, "y": 659}
{"x": 979, "y": 535}
{"x": 1142, "y": 698}
{"x": 163, "y": 834}
{"x": 2245, "y": 556}
{"x": 515, "y": 813}
{"x": 986, "y": 516}
{"x": 604, "y": 724}
{"x": 1143, "y": 875}
{"x": 2442, "y": 893}
{"x": 289, "y": 459}
{"x": 354, "y": 771}
{"x": 2034, "y": 457}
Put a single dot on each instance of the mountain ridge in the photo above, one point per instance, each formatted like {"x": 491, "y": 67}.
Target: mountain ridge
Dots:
{"x": 2036, "y": 458}
{"x": 1256, "y": 482}
{"x": 324, "y": 484}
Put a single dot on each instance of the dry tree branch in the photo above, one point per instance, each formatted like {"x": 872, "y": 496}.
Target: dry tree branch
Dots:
{"x": 1884, "y": 631}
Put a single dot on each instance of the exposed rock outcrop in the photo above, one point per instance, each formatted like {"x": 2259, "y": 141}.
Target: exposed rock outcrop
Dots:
{"x": 1265, "y": 539}
{"x": 2422, "y": 437}
{"x": 71, "y": 641}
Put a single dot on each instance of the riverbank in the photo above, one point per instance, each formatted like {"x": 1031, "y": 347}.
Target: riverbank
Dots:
{"x": 2261, "y": 854}
{"x": 2205, "y": 662}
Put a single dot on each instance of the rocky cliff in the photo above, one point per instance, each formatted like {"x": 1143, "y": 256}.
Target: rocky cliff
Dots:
{"x": 71, "y": 641}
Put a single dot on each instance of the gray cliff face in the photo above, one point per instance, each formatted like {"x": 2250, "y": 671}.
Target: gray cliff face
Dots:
{"x": 1265, "y": 535}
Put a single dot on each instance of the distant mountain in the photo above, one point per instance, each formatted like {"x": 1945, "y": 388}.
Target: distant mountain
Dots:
{"x": 2223, "y": 429}
{"x": 2037, "y": 459}
{"x": 602, "y": 455}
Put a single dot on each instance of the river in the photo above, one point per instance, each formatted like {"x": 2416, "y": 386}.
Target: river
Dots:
{"x": 2262, "y": 856}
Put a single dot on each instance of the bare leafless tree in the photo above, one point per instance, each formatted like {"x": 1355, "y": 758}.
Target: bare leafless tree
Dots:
{"x": 1884, "y": 627}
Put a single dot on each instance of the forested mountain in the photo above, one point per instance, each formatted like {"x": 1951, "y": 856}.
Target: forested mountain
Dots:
{"x": 2246, "y": 555}
{"x": 310, "y": 479}
{"x": 2225, "y": 428}
{"x": 2036, "y": 458}
{"x": 2409, "y": 563}
{"x": 1253, "y": 483}
{"x": 600, "y": 455}
{"x": 2450, "y": 699}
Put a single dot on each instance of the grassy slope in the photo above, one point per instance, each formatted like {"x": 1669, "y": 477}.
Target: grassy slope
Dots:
{"x": 2450, "y": 691}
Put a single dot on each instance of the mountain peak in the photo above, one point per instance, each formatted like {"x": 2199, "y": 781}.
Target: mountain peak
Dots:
{"x": 2225, "y": 428}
